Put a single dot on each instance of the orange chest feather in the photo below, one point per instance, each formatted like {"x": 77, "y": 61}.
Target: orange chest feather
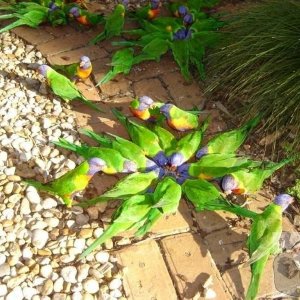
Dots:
{"x": 153, "y": 13}
{"x": 143, "y": 115}
{"x": 83, "y": 20}
{"x": 84, "y": 73}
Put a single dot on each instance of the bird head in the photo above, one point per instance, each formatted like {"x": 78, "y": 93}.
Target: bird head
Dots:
{"x": 201, "y": 152}
{"x": 165, "y": 109}
{"x": 74, "y": 12}
{"x": 43, "y": 70}
{"x": 176, "y": 159}
{"x": 228, "y": 184}
{"x": 182, "y": 11}
{"x": 52, "y": 6}
{"x": 155, "y": 4}
{"x": 188, "y": 19}
{"x": 146, "y": 100}
{"x": 96, "y": 165}
{"x": 85, "y": 62}
{"x": 283, "y": 200}
{"x": 129, "y": 167}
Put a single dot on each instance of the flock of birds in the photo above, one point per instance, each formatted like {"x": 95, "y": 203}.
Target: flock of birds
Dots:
{"x": 143, "y": 155}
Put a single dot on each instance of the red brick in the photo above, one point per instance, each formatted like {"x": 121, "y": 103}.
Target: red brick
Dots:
{"x": 209, "y": 221}
{"x": 238, "y": 279}
{"x": 226, "y": 246}
{"x": 34, "y": 36}
{"x": 73, "y": 56}
{"x": 186, "y": 95}
{"x": 190, "y": 264}
{"x": 59, "y": 31}
{"x": 88, "y": 89}
{"x": 63, "y": 44}
{"x": 152, "y": 88}
{"x": 116, "y": 86}
{"x": 100, "y": 67}
{"x": 146, "y": 275}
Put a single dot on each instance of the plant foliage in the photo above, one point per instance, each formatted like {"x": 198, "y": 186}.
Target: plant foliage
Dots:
{"x": 257, "y": 65}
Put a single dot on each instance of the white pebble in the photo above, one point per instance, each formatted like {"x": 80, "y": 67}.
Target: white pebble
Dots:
{"x": 91, "y": 285}
{"x": 25, "y": 207}
{"x": 10, "y": 171}
{"x": 116, "y": 293}
{"x": 46, "y": 271}
{"x": 115, "y": 284}
{"x": 27, "y": 253}
{"x": 79, "y": 244}
{"x": 29, "y": 292}
{"x": 32, "y": 195}
{"x": 77, "y": 296}
{"x": 49, "y": 203}
{"x": 39, "y": 238}
{"x": 3, "y": 290}
{"x": 102, "y": 257}
{"x": 209, "y": 294}
{"x": 69, "y": 274}
{"x": 58, "y": 285}
{"x": 2, "y": 259}
{"x": 15, "y": 294}
{"x": 83, "y": 272}
{"x": 4, "y": 270}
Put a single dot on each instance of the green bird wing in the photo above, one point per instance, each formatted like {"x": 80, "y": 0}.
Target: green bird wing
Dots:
{"x": 187, "y": 117}
{"x": 62, "y": 86}
{"x": 230, "y": 141}
{"x": 122, "y": 62}
{"x": 200, "y": 192}
{"x": 265, "y": 233}
{"x": 67, "y": 70}
{"x": 181, "y": 54}
{"x": 115, "y": 21}
{"x": 166, "y": 139}
{"x": 218, "y": 165}
{"x": 128, "y": 215}
{"x": 140, "y": 135}
{"x": 130, "y": 185}
{"x": 153, "y": 50}
{"x": 196, "y": 54}
{"x": 93, "y": 19}
{"x": 166, "y": 198}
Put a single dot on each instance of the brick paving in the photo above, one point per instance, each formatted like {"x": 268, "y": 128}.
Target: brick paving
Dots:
{"x": 184, "y": 249}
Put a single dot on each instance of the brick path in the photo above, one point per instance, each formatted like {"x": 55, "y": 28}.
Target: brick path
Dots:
{"x": 184, "y": 249}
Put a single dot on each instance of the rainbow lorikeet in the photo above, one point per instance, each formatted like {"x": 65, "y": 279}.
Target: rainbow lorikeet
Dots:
{"x": 72, "y": 182}
{"x": 145, "y": 108}
{"x": 250, "y": 181}
{"x": 179, "y": 119}
{"x": 263, "y": 240}
{"x": 230, "y": 141}
{"x": 214, "y": 166}
{"x": 129, "y": 215}
{"x": 122, "y": 61}
{"x": 126, "y": 148}
{"x": 63, "y": 87}
{"x": 114, "y": 161}
{"x": 77, "y": 71}
{"x": 144, "y": 138}
{"x": 205, "y": 196}
{"x": 114, "y": 24}
{"x": 166, "y": 198}
{"x": 85, "y": 17}
{"x": 186, "y": 146}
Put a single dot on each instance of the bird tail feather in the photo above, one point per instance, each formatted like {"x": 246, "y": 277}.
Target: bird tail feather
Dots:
{"x": 119, "y": 116}
{"x": 107, "y": 77}
{"x": 100, "y": 37}
{"x": 108, "y": 234}
{"x": 151, "y": 219}
{"x": 251, "y": 124}
{"x": 106, "y": 142}
{"x": 38, "y": 185}
{"x": 79, "y": 149}
{"x": 90, "y": 104}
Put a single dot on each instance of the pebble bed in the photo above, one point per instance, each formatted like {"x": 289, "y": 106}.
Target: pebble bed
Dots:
{"x": 40, "y": 239}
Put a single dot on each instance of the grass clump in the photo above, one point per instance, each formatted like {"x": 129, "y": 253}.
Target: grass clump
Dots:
{"x": 257, "y": 65}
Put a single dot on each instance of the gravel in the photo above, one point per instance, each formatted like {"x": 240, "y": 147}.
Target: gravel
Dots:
{"x": 40, "y": 239}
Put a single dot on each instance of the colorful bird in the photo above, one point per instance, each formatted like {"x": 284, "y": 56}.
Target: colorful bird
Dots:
{"x": 115, "y": 162}
{"x": 250, "y": 181}
{"x": 77, "y": 71}
{"x": 114, "y": 24}
{"x": 186, "y": 146}
{"x": 179, "y": 119}
{"x": 263, "y": 240}
{"x": 131, "y": 212}
{"x": 72, "y": 182}
{"x": 166, "y": 199}
{"x": 63, "y": 87}
{"x": 148, "y": 12}
{"x": 205, "y": 196}
{"x": 122, "y": 62}
{"x": 166, "y": 139}
{"x": 126, "y": 148}
{"x": 29, "y": 17}
{"x": 144, "y": 138}
{"x": 85, "y": 17}
{"x": 145, "y": 109}
{"x": 214, "y": 166}
{"x": 230, "y": 141}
